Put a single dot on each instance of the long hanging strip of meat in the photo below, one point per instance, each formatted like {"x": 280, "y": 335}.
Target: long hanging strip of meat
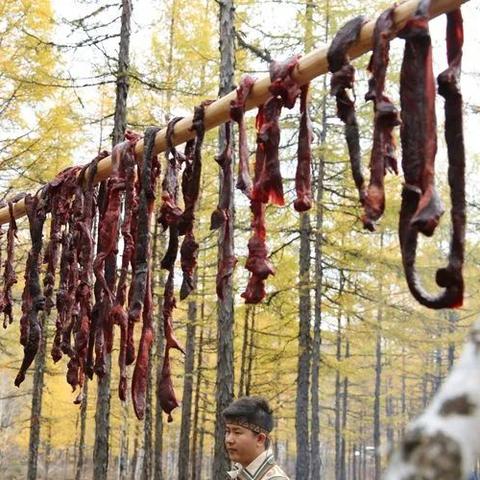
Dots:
{"x": 267, "y": 185}
{"x": 257, "y": 262}
{"x": 126, "y": 153}
{"x": 421, "y": 207}
{"x": 343, "y": 76}
{"x": 32, "y": 300}
{"x": 62, "y": 190}
{"x": 303, "y": 175}
{"x": 105, "y": 263}
{"x": 223, "y": 216}
{"x": 386, "y": 118}
{"x": 9, "y": 275}
{"x": 141, "y": 300}
{"x": 83, "y": 213}
{"x": 237, "y": 112}
{"x": 191, "y": 189}
{"x": 170, "y": 216}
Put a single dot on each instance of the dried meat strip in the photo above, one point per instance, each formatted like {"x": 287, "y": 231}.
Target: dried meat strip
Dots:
{"x": 141, "y": 300}
{"x": 9, "y": 275}
{"x": 386, "y": 118}
{"x": 421, "y": 206}
{"x": 33, "y": 300}
{"x": 343, "y": 77}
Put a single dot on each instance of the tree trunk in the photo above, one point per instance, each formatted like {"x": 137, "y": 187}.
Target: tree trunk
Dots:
{"x": 317, "y": 328}
{"x": 302, "y": 467}
{"x": 36, "y": 412}
{"x": 198, "y": 380}
{"x": 338, "y": 402}
{"x": 83, "y": 426}
{"x": 243, "y": 361}
{"x": 48, "y": 449}
{"x": 343, "y": 469}
{"x": 185, "y": 427}
{"x": 377, "y": 393}
{"x": 452, "y": 326}
{"x": 251, "y": 353}
{"x": 123, "y": 460}
{"x": 225, "y": 320}
{"x": 102, "y": 415}
{"x": 147, "y": 425}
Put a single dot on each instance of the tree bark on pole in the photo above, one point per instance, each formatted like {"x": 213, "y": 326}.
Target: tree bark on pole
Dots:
{"x": 225, "y": 312}
{"x": 102, "y": 415}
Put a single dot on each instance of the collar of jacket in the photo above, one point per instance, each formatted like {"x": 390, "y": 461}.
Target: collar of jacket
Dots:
{"x": 255, "y": 471}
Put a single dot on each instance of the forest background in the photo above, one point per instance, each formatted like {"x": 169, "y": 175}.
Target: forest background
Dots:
{"x": 342, "y": 352}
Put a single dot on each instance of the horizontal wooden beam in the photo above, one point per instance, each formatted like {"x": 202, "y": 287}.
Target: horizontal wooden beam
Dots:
{"x": 309, "y": 67}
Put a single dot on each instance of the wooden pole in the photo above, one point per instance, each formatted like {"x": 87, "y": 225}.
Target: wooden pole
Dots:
{"x": 309, "y": 67}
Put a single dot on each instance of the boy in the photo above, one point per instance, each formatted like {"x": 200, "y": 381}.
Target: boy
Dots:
{"x": 249, "y": 421}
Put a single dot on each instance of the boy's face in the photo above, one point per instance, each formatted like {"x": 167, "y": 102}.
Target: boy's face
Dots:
{"x": 243, "y": 445}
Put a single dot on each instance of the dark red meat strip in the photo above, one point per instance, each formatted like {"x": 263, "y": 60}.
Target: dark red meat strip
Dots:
{"x": 126, "y": 153}
{"x": 141, "y": 300}
{"x": 303, "y": 179}
{"x": 224, "y": 212}
{"x": 257, "y": 262}
{"x": 421, "y": 207}
{"x": 191, "y": 189}
{"x": 386, "y": 118}
{"x": 237, "y": 111}
{"x": 9, "y": 275}
{"x": 32, "y": 300}
{"x": 342, "y": 79}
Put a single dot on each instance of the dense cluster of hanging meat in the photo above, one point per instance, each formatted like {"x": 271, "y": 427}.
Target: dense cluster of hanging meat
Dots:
{"x": 421, "y": 207}
{"x": 91, "y": 296}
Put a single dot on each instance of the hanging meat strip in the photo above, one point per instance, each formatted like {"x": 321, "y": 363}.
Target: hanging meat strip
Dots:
{"x": 223, "y": 216}
{"x": 342, "y": 79}
{"x": 421, "y": 207}
{"x": 170, "y": 216}
{"x": 141, "y": 301}
{"x": 32, "y": 299}
{"x": 126, "y": 153}
{"x": 237, "y": 111}
{"x": 61, "y": 189}
{"x": 386, "y": 118}
{"x": 303, "y": 176}
{"x": 9, "y": 275}
{"x": 257, "y": 262}
{"x": 191, "y": 189}
{"x": 268, "y": 187}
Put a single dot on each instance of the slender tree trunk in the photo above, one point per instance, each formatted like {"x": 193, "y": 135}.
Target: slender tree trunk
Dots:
{"x": 317, "y": 328}
{"x": 302, "y": 468}
{"x": 83, "y": 427}
{"x": 48, "y": 449}
{"x": 147, "y": 425}
{"x": 102, "y": 415}
{"x": 251, "y": 353}
{"x": 338, "y": 402}
{"x": 403, "y": 399}
{"x": 377, "y": 394}
{"x": 198, "y": 381}
{"x": 123, "y": 460}
{"x": 225, "y": 320}
{"x": 343, "y": 469}
{"x": 36, "y": 412}
{"x": 243, "y": 361}
{"x": 185, "y": 428}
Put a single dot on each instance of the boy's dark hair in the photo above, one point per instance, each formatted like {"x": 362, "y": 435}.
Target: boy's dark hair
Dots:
{"x": 252, "y": 412}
